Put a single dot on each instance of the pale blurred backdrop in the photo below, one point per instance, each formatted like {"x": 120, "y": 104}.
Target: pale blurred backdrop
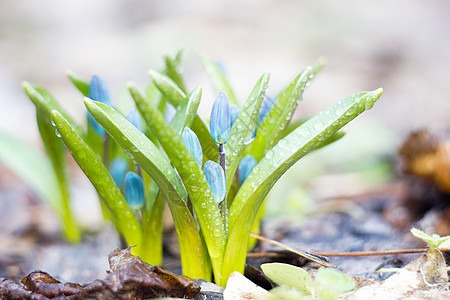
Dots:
{"x": 402, "y": 46}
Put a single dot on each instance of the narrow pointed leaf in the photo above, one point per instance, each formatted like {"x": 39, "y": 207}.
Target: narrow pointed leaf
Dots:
{"x": 195, "y": 182}
{"x": 173, "y": 94}
{"x": 80, "y": 84}
{"x": 172, "y": 72}
{"x": 168, "y": 88}
{"x": 33, "y": 167}
{"x": 187, "y": 111}
{"x": 55, "y": 149}
{"x": 98, "y": 174}
{"x": 42, "y": 99}
{"x": 150, "y": 158}
{"x": 152, "y": 231}
{"x": 244, "y": 127}
{"x": 277, "y": 161}
{"x": 279, "y": 116}
{"x": 318, "y": 65}
{"x": 219, "y": 80}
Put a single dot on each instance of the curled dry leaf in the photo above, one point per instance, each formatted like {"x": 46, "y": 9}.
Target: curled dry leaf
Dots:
{"x": 129, "y": 278}
{"x": 427, "y": 155}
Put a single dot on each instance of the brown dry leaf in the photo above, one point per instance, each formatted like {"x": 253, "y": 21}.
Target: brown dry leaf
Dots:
{"x": 129, "y": 278}
{"x": 427, "y": 155}
{"x": 424, "y": 278}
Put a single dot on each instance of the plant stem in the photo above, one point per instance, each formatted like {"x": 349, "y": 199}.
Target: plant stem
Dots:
{"x": 223, "y": 205}
{"x": 306, "y": 255}
{"x": 222, "y": 157}
{"x": 139, "y": 170}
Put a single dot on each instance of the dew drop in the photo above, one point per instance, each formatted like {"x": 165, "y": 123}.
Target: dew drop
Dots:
{"x": 283, "y": 143}
{"x": 57, "y": 133}
{"x": 53, "y": 123}
{"x": 269, "y": 154}
{"x": 247, "y": 142}
{"x": 216, "y": 232}
{"x": 255, "y": 170}
{"x": 128, "y": 154}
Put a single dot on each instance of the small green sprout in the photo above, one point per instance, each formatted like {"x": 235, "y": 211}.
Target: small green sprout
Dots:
{"x": 434, "y": 241}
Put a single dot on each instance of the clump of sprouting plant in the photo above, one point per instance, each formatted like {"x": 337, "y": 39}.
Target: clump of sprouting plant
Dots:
{"x": 214, "y": 179}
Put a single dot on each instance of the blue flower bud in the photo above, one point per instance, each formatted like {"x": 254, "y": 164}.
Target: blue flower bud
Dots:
{"x": 265, "y": 108}
{"x": 234, "y": 112}
{"x": 191, "y": 141}
{"x": 135, "y": 118}
{"x": 98, "y": 91}
{"x": 245, "y": 167}
{"x": 134, "y": 190}
{"x": 215, "y": 176}
{"x": 219, "y": 123}
{"x": 117, "y": 170}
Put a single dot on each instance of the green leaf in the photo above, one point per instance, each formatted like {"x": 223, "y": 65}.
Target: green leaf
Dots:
{"x": 187, "y": 111}
{"x": 289, "y": 275}
{"x": 33, "y": 167}
{"x": 173, "y": 94}
{"x": 194, "y": 181}
{"x": 331, "y": 283}
{"x": 55, "y": 149}
{"x": 168, "y": 88}
{"x": 172, "y": 72}
{"x": 44, "y": 101}
{"x": 244, "y": 126}
{"x": 98, "y": 174}
{"x": 219, "y": 80}
{"x": 434, "y": 241}
{"x": 152, "y": 231}
{"x": 79, "y": 83}
{"x": 294, "y": 124}
{"x": 318, "y": 65}
{"x": 277, "y": 161}
{"x": 276, "y": 121}
{"x": 150, "y": 158}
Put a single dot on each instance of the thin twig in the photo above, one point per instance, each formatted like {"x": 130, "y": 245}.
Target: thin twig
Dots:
{"x": 355, "y": 253}
{"x": 382, "y": 252}
{"x": 300, "y": 253}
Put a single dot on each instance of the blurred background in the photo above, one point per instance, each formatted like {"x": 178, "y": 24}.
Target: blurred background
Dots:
{"x": 402, "y": 46}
